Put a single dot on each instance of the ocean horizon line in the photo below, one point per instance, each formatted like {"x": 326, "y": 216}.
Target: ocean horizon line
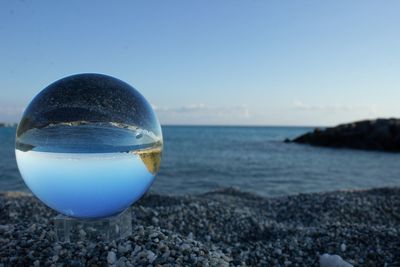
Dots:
{"x": 14, "y": 124}
{"x": 243, "y": 125}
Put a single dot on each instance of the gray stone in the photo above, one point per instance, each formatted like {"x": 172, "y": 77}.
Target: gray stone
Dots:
{"x": 111, "y": 257}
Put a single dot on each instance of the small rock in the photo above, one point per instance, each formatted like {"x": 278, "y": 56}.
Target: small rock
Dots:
{"x": 32, "y": 228}
{"x": 123, "y": 248}
{"x": 4, "y": 228}
{"x": 154, "y": 220}
{"x": 151, "y": 256}
{"x": 55, "y": 258}
{"x": 82, "y": 233}
{"x": 287, "y": 263}
{"x": 136, "y": 250}
{"x": 111, "y": 257}
{"x": 121, "y": 262}
{"x": 190, "y": 236}
{"x": 278, "y": 251}
{"x": 184, "y": 247}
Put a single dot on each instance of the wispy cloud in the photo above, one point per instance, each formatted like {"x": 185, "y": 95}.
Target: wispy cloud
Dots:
{"x": 201, "y": 113}
{"x": 11, "y": 110}
{"x": 300, "y": 105}
{"x": 10, "y": 113}
{"x": 188, "y": 108}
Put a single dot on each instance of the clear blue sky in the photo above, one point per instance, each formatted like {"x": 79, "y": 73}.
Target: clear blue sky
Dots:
{"x": 213, "y": 62}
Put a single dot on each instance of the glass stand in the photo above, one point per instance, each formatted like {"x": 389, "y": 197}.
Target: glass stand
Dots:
{"x": 115, "y": 227}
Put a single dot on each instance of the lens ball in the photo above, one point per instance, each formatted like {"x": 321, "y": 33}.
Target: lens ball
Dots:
{"x": 89, "y": 145}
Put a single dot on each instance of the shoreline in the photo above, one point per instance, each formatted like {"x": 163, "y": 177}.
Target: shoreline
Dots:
{"x": 226, "y": 227}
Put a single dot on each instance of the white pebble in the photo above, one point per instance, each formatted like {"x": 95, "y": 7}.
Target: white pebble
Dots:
{"x": 151, "y": 256}
{"x": 278, "y": 251}
{"x": 287, "y": 263}
{"x": 328, "y": 260}
{"x": 82, "y": 233}
{"x": 111, "y": 257}
{"x": 185, "y": 246}
{"x": 343, "y": 247}
{"x": 190, "y": 236}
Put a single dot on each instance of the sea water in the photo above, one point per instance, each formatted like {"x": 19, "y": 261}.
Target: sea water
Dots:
{"x": 89, "y": 170}
{"x": 198, "y": 159}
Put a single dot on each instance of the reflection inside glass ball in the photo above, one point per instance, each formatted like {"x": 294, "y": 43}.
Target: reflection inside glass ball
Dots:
{"x": 89, "y": 145}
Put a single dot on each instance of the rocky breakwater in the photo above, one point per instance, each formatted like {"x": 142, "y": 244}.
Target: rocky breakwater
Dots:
{"x": 380, "y": 134}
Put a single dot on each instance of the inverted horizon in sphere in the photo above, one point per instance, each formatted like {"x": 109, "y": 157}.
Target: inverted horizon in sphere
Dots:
{"x": 85, "y": 185}
{"x": 89, "y": 145}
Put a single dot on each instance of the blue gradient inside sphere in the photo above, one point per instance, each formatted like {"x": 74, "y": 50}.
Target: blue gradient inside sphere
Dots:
{"x": 89, "y": 145}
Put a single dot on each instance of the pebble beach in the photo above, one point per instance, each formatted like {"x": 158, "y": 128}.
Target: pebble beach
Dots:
{"x": 226, "y": 227}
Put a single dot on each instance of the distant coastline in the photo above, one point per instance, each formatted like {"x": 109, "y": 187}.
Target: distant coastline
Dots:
{"x": 15, "y": 124}
{"x": 8, "y": 124}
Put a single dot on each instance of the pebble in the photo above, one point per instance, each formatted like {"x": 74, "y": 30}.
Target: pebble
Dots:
{"x": 151, "y": 256}
{"x": 55, "y": 258}
{"x": 124, "y": 248}
{"x": 287, "y": 263}
{"x": 185, "y": 247}
{"x": 122, "y": 262}
{"x": 226, "y": 227}
{"x": 111, "y": 257}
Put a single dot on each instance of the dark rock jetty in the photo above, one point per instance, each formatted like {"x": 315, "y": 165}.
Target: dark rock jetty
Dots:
{"x": 380, "y": 134}
{"x": 222, "y": 228}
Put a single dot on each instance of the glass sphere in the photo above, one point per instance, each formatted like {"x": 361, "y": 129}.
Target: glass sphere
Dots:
{"x": 89, "y": 145}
